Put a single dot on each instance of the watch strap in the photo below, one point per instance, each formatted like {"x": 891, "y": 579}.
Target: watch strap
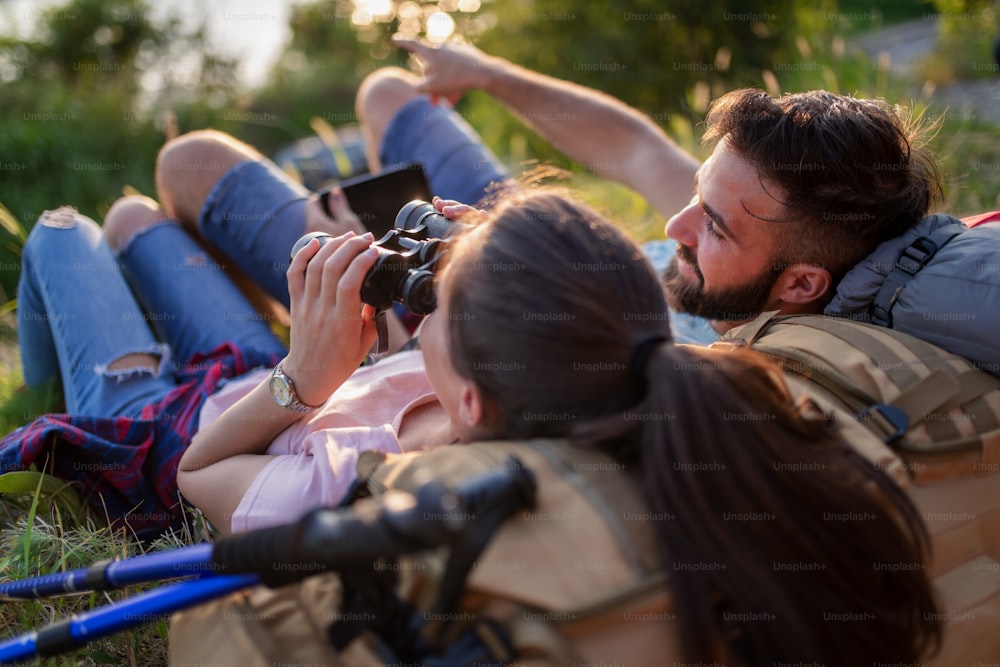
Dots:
{"x": 296, "y": 404}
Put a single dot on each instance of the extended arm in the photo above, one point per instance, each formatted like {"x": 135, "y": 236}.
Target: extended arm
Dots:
{"x": 609, "y": 137}
{"x": 330, "y": 334}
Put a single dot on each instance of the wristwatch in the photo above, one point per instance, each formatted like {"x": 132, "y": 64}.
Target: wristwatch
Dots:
{"x": 283, "y": 392}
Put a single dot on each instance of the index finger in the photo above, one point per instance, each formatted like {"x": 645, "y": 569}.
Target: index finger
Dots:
{"x": 414, "y": 46}
{"x": 440, "y": 203}
{"x": 353, "y": 278}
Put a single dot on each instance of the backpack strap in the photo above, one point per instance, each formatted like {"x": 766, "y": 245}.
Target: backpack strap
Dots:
{"x": 910, "y": 261}
{"x": 747, "y": 334}
{"x": 922, "y": 392}
{"x": 925, "y": 393}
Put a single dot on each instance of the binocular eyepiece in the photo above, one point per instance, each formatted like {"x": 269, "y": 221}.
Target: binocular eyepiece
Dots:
{"x": 409, "y": 255}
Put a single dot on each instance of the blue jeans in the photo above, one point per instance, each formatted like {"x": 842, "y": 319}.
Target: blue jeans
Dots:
{"x": 457, "y": 164}
{"x": 256, "y": 212}
{"x": 78, "y": 313}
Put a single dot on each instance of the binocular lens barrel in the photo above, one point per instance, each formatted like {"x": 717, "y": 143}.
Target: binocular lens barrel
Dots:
{"x": 408, "y": 258}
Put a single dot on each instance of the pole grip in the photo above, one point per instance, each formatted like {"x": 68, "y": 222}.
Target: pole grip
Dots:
{"x": 270, "y": 553}
{"x": 397, "y": 523}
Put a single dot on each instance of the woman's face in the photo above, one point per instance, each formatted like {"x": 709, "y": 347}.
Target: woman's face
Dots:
{"x": 435, "y": 345}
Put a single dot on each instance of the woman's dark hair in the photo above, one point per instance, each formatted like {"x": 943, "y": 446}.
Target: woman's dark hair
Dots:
{"x": 853, "y": 172}
{"x": 787, "y": 545}
{"x": 542, "y": 301}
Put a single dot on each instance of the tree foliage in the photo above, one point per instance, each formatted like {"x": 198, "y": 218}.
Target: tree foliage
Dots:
{"x": 317, "y": 75}
{"x": 646, "y": 52}
{"x": 968, "y": 31}
{"x": 80, "y": 121}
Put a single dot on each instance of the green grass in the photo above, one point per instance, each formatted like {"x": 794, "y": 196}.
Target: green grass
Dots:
{"x": 47, "y": 529}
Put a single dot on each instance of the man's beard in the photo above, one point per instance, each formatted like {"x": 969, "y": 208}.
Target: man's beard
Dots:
{"x": 730, "y": 304}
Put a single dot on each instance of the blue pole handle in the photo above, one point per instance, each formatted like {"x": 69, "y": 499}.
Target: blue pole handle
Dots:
{"x": 182, "y": 562}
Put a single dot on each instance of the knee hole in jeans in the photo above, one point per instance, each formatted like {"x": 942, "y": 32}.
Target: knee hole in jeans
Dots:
{"x": 63, "y": 217}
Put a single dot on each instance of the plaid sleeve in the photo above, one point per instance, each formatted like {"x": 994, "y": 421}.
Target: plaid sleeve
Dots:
{"x": 126, "y": 469}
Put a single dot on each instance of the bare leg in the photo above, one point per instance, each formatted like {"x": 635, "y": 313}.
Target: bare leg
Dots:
{"x": 128, "y": 216}
{"x": 380, "y": 96}
{"x": 189, "y": 166}
{"x": 187, "y": 169}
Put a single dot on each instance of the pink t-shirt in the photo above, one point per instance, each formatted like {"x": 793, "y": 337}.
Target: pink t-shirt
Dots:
{"x": 316, "y": 456}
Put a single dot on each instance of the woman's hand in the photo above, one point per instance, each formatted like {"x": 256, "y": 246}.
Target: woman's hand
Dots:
{"x": 331, "y": 330}
{"x": 454, "y": 210}
{"x": 449, "y": 69}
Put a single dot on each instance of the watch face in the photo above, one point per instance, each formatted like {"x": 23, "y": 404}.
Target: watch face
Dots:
{"x": 280, "y": 391}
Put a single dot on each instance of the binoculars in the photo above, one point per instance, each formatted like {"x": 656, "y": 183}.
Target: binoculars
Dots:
{"x": 409, "y": 255}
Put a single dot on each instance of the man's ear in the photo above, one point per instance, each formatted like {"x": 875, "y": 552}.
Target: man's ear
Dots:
{"x": 804, "y": 285}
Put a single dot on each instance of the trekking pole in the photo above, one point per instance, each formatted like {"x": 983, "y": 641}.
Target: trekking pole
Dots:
{"x": 68, "y": 634}
{"x": 108, "y": 574}
{"x": 325, "y": 539}
{"x": 323, "y": 535}
{"x": 405, "y": 523}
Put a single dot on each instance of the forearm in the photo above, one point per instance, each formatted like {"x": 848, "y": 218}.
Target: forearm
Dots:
{"x": 247, "y": 427}
{"x": 227, "y": 455}
{"x": 563, "y": 112}
{"x": 607, "y": 136}
{"x": 332, "y": 321}
{"x": 330, "y": 333}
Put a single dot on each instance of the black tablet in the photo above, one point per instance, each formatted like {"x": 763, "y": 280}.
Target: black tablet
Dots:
{"x": 377, "y": 198}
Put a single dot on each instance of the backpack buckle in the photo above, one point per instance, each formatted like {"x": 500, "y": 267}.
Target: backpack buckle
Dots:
{"x": 890, "y": 418}
{"x": 916, "y": 255}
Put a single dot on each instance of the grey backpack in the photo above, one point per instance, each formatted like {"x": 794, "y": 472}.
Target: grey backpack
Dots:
{"x": 940, "y": 282}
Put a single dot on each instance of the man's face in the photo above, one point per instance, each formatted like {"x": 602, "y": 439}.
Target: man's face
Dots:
{"x": 726, "y": 265}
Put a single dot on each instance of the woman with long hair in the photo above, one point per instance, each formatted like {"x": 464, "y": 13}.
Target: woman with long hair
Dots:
{"x": 788, "y": 546}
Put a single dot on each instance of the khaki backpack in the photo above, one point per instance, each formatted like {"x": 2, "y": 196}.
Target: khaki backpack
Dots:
{"x": 934, "y": 408}
{"x": 574, "y": 581}
{"x": 941, "y": 417}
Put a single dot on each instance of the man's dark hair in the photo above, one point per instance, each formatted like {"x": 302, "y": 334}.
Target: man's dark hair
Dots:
{"x": 853, "y": 172}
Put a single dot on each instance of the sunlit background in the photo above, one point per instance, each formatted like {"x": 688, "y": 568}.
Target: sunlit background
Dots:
{"x": 434, "y": 19}
{"x": 257, "y": 43}
{"x": 106, "y": 81}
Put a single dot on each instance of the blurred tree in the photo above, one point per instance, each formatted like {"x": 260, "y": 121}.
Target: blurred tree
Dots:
{"x": 643, "y": 51}
{"x": 966, "y": 30}
{"x": 79, "y": 118}
{"x": 316, "y": 76}
{"x": 666, "y": 60}
{"x": 84, "y": 42}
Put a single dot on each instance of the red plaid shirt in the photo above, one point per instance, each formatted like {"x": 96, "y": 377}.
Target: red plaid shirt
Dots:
{"x": 127, "y": 468}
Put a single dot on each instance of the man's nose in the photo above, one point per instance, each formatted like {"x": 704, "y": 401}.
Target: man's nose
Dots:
{"x": 683, "y": 226}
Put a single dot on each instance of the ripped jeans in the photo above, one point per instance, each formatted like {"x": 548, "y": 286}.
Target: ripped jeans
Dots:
{"x": 77, "y": 313}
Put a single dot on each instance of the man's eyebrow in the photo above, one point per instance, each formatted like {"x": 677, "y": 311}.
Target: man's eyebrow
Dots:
{"x": 716, "y": 217}
{"x": 709, "y": 211}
